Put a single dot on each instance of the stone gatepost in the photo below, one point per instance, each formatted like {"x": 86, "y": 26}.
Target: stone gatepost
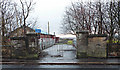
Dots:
{"x": 82, "y": 43}
{"x": 0, "y": 50}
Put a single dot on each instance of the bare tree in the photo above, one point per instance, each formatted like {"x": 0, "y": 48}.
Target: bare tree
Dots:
{"x": 97, "y": 17}
{"x": 6, "y": 18}
{"x": 26, "y": 7}
{"x": 75, "y": 18}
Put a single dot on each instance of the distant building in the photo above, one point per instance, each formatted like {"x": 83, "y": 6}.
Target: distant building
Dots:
{"x": 19, "y": 32}
{"x": 32, "y": 39}
{"x": 19, "y": 39}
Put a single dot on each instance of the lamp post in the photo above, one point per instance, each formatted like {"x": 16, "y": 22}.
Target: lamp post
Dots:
{"x": 48, "y": 27}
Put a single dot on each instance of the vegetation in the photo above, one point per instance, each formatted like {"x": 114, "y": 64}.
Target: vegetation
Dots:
{"x": 70, "y": 42}
{"x": 114, "y": 41}
{"x": 14, "y": 14}
{"x": 98, "y": 17}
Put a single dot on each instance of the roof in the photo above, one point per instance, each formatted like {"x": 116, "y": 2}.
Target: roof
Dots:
{"x": 19, "y": 28}
{"x": 32, "y": 34}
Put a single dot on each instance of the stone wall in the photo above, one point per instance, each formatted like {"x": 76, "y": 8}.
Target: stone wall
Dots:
{"x": 96, "y": 47}
{"x": 91, "y": 45}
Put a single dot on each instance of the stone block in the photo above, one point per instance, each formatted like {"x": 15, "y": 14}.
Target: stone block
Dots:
{"x": 96, "y": 47}
{"x": 82, "y": 43}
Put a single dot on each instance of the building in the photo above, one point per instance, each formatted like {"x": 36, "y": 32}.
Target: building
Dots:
{"x": 19, "y": 32}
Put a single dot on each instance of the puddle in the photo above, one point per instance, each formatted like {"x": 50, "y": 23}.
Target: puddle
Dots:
{"x": 56, "y": 56}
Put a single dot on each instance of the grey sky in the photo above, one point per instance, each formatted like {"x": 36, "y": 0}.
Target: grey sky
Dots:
{"x": 52, "y": 11}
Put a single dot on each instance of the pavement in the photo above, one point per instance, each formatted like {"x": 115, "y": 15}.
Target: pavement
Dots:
{"x": 63, "y": 56}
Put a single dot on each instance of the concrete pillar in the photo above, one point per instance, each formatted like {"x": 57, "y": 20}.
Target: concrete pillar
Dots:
{"x": 82, "y": 43}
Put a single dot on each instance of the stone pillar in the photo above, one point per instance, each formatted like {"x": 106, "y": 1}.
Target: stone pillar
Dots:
{"x": 82, "y": 43}
{"x": 0, "y": 49}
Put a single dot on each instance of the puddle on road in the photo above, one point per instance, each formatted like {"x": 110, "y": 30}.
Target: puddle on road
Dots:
{"x": 67, "y": 50}
{"x": 56, "y": 56}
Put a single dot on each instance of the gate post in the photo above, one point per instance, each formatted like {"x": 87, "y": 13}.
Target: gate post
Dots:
{"x": 1, "y": 49}
{"x": 82, "y": 43}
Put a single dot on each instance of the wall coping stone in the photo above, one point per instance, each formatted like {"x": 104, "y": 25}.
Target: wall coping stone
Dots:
{"x": 84, "y": 31}
{"x": 97, "y": 35}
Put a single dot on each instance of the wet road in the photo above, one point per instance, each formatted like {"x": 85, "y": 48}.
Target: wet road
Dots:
{"x": 67, "y": 53}
{"x": 60, "y": 54}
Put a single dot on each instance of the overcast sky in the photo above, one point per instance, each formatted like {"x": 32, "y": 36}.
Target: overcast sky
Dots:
{"x": 52, "y": 11}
